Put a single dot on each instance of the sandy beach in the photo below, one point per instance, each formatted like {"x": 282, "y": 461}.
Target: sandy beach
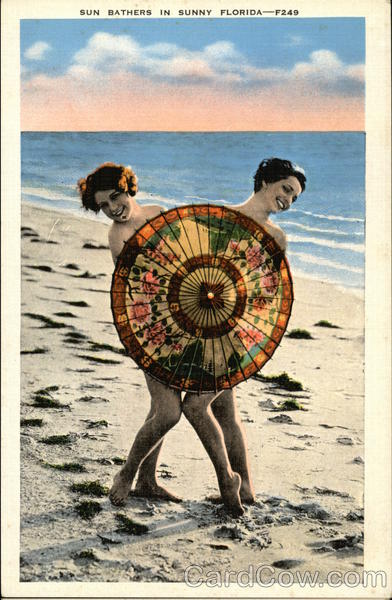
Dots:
{"x": 307, "y": 464}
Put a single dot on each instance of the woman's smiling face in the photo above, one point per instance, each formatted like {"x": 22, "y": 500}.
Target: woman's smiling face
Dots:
{"x": 279, "y": 195}
{"x": 115, "y": 204}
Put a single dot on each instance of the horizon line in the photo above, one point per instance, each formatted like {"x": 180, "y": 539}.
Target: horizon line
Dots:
{"x": 192, "y": 131}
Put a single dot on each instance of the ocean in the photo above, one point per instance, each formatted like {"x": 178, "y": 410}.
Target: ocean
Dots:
{"x": 325, "y": 226}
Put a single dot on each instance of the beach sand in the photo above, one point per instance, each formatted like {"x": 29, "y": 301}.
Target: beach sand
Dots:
{"x": 307, "y": 465}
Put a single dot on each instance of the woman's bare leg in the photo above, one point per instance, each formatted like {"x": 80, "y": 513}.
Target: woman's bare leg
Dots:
{"x": 147, "y": 484}
{"x": 167, "y": 414}
{"x": 197, "y": 410}
{"x": 226, "y": 413}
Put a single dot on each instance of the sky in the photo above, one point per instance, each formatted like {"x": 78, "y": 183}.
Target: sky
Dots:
{"x": 193, "y": 74}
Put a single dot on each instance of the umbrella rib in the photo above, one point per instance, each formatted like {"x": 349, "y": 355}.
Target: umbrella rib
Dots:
{"x": 219, "y": 234}
{"x": 184, "y": 335}
{"x": 265, "y": 335}
{"x": 208, "y": 242}
{"x": 230, "y": 256}
{"x": 148, "y": 325}
{"x": 245, "y": 348}
{"x": 213, "y": 363}
{"x": 150, "y": 356}
{"x": 143, "y": 252}
{"x": 192, "y": 311}
{"x": 163, "y": 276}
{"x": 198, "y": 235}
{"x": 168, "y": 245}
{"x": 204, "y": 350}
{"x": 158, "y": 348}
{"x": 179, "y": 362}
{"x": 202, "y": 366}
{"x": 249, "y": 271}
{"x": 189, "y": 241}
{"x": 235, "y": 356}
{"x": 192, "y": 362}
{"x": 178, "y": 240}
{"x": 229, "y": 238}
{"x": 224, "y": 354}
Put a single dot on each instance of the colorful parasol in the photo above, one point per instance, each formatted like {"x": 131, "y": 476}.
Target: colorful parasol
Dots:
{"x": 201, "y": 297}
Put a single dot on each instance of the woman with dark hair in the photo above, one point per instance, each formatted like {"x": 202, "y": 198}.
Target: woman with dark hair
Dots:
{"x": 277, "y": 184}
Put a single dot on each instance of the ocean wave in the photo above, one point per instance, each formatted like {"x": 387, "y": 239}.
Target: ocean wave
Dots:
{"x": 219, "y": 201}
{"x": 325, "y": 262}
{"x": 49, "y": 194}
{"x": 328, "y": 217}
{"x": 319, "y": 230}
{"x": 145, "y": 197}
{"x": 327, "y": 243}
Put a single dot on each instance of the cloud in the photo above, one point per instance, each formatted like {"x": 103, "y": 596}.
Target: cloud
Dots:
{"x": 37, "y": 51}
{"x": 109, "y": 58}
{"x": 326, "y": 73}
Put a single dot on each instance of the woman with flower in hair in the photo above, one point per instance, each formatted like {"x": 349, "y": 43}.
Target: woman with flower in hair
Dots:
{"x": 111, "y": 188}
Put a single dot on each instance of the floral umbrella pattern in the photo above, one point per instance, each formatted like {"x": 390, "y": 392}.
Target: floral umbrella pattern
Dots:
{"x": 201, "y": 297}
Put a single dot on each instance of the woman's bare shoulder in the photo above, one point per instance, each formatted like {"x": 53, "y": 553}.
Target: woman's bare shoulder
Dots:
{"x": 277, "y": 233}
{"x": 151, "y": 210}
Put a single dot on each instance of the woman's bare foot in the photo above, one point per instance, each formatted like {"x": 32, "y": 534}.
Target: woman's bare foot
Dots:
{"x": 154, "y": 490}
{"x": 247, "y": 495}
{"x": 230, "y": 492}
{"x": 120, "y": 489}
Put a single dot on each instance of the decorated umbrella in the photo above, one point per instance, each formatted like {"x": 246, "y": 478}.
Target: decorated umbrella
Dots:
{"x": 201, "y": 297}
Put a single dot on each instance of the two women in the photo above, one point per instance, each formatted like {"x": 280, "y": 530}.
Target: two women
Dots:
{"x": 111, "y": 188}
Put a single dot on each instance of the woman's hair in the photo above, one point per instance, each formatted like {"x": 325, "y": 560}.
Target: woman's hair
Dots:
{"x": 275, "y": 169}
{"x": 108, "y": 176}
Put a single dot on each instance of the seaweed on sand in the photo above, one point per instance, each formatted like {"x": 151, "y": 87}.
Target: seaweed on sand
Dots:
{"x": 87, "y": 509}
{"x": 76, "y": 335}
{"x": 283, "y": 381}
{"x": 43, "y": 398}
{"x": 290, "y": 404}
{"x": 85, "y": 554}
{"x": 96, "y": 424}
{"x": 129, "y": 526}
{"x": 90, "y": 488}
{"x": 31, "y": 422}
{"x": 70, "y": 467}
{"x": 48, "y": 389}
{"x": 35, "y": 351}
{"x": 97, "y": 359}
{"x": 47, "y": 322}
{"x": 60, "y": 440}
{"x": 324, "y": 323}
{"x": 300, "y": 334}
{"x": 80, "y": 303}
{"x": 44, "y": 268}
{"x": 96, "y": 346}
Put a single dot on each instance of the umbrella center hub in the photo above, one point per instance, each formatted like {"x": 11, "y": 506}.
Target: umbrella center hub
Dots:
{"x": 210, "y": 295}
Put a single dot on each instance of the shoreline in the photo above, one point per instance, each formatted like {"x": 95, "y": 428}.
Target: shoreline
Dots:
{"x": 355, "y": 291}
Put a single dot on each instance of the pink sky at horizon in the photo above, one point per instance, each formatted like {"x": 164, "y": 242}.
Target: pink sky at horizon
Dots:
{"x": 193, "y": 108}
